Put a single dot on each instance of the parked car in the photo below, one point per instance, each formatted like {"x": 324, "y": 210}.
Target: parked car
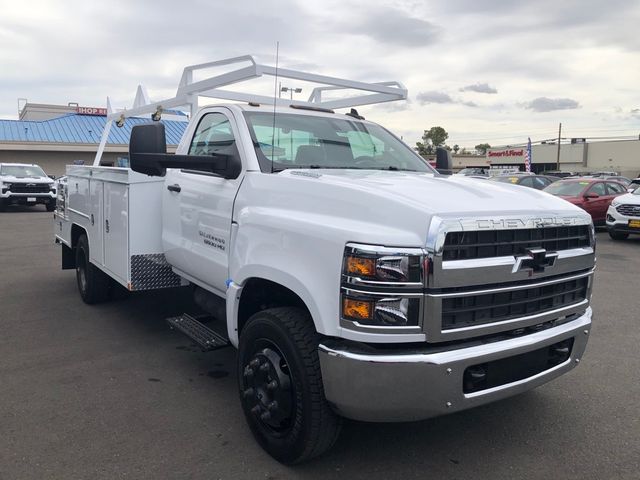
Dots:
{"x": 591, "y": 194}
{"x": 26, "y": 184}
{"x": 473, "y": 172}
{"x": 538, "y": 182}
{"x": 557, "y": 173}
{"x": 623, "y": 216}
{"x": 635, "y": 183}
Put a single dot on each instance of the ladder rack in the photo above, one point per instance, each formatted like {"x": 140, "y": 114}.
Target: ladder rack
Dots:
{"x": 211, "y": 87}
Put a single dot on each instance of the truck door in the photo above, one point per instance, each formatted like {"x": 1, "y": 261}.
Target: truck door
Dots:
{"x": 197, "y": 207}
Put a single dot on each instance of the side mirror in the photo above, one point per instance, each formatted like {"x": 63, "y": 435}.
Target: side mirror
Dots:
{"x": 52, "y": 177}
{"x": 148, "y": 155}
{"x": 444, "y": 164}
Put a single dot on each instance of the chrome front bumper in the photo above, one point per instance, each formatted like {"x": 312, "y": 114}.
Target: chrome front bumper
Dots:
{"x": 394, "y": 387}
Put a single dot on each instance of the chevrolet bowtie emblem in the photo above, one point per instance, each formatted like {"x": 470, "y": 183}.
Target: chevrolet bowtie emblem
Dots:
{"x": 535, "y": 261}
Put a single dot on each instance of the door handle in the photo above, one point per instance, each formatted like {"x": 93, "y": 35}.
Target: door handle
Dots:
{"x": 174, "y": 188}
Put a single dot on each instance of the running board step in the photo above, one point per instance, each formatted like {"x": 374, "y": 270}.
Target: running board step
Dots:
{"x": 206, "y": 338}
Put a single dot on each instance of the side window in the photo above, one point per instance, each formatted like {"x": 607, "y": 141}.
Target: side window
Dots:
{"x": 598, "y": 189}
{"x": 212, "y": 135}
{"x": 615, "y": 188}
{"x": 541, "y": 182}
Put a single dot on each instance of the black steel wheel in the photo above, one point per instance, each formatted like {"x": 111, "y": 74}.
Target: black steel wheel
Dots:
{"x": 281, "y": 386}
{"x": 93, "y": 283}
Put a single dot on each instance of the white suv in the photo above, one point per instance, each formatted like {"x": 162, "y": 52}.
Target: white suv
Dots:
{"x": 26, "y": 184}
{"x": 623, "y": 215}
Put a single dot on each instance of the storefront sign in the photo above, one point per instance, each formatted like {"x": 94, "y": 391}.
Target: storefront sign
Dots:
{"x": 92, "y": 111}
{"x": 508, "y": 153}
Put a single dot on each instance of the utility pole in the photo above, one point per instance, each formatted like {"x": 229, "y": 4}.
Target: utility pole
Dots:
{"x": 558, "y": 156}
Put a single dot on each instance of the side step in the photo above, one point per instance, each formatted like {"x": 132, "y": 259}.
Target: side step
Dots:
{"x": 206, "y": 338}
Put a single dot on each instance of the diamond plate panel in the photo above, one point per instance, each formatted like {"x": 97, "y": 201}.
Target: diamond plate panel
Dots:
{"x": 152, "y": 271}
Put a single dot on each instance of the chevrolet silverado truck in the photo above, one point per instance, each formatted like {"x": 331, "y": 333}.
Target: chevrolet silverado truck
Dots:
{"x": 354, "y": 279}
{"x": 26, "y": 184}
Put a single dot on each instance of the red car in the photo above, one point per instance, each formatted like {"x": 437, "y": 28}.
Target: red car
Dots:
{"x": 591, "y": 194}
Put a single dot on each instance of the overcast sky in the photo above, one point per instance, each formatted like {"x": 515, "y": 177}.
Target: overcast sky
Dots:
{"x": 487, "y": 71}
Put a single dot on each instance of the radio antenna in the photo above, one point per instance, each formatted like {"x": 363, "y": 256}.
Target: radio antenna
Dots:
{"x": 275, "y": 100}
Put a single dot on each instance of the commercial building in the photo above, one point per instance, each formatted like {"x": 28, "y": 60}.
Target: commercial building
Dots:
{"x": 578, "y": 155}
{"x": 54, "y": 136}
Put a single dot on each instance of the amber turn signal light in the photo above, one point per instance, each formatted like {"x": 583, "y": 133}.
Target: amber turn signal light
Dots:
{"x": 361, "y": 266}
{"x": 356, "y": 309}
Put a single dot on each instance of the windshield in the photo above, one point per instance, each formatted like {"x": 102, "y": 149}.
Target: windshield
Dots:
{"x": 22, "y": 171}
{"x": 306, "y": 141}
{"x": 568, "y": 189}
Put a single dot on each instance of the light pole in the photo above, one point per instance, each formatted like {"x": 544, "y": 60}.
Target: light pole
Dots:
{"x": 291, "y": 91}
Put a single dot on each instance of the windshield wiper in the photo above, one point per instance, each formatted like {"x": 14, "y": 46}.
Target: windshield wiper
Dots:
{"x": 395, "y": 169}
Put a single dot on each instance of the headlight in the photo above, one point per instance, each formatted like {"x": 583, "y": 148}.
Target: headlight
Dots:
{"x": 382, "y": 286}
{"x": 615, "y": 203}
{"x": 367, "y": 264}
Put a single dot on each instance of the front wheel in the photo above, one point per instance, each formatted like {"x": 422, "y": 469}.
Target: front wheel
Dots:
{"x": 51, "y": 206}
{"x": 618, "y": 235}
{"x": 281, "y": 387}
{"x": 93, "y": 283}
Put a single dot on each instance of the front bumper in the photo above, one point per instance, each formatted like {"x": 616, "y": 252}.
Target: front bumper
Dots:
{"x": 408, "y": 386}
{"x": 27, "y": 198}
{"x": 618, "y": 223}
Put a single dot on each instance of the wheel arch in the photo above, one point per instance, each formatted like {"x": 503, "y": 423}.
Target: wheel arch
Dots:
{"x": 266, "y": 289}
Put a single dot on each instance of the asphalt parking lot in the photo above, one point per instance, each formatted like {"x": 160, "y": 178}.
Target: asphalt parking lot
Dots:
{"x": 110, "y": 392}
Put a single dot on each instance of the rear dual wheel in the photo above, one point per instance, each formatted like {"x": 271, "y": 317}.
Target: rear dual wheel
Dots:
{"x": 93, "y": 283}
{"x": 281, "y": 388}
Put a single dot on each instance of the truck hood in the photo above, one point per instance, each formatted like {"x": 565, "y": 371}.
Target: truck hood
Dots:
{"x": 38, "y": 180}
{"x": 442, "y": 195}
{"x": 385, "y": 207}
{"x": 628, "y": 198}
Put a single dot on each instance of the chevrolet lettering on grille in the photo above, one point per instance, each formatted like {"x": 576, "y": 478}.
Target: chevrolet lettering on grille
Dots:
{"x": 535, "y": 260}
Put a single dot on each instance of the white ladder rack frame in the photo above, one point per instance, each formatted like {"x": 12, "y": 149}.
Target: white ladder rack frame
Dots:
{"x": 189, "y": 91}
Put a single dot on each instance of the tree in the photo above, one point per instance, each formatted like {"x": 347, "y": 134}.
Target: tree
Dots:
{"x": 482, "y": 148}
{"x": 424, "y": 149}
{"x": 456, "y": 147}
{"x": 434, "y": 137}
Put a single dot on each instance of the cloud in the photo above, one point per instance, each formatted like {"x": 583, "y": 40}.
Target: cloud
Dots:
{"x": 544, "y": 104}
{"x": 424, "y": 98}
{"x": 479, "y": 88}
{"x": 392, "y": 26}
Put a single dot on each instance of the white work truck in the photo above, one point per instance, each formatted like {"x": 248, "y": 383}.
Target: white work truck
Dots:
{"x": 354, "y": 280}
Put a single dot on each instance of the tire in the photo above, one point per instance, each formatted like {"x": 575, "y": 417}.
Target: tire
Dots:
{"x": 93, "y": 283}
{"x": 618, "y": 235}
{"x": 281, "y": 388}
{"x": 3, "y": 205}
{"x": 51, "y": 206}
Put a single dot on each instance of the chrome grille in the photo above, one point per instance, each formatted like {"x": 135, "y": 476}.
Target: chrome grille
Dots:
{"x": 629, "y": 210}
{"x": 496, "y": 243}
{"x": 471, "y": 310}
